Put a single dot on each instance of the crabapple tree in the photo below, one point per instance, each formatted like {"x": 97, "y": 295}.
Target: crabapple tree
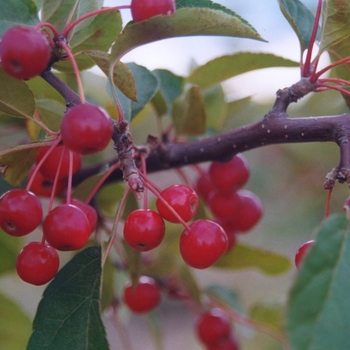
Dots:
{"x": 128, "y": 192}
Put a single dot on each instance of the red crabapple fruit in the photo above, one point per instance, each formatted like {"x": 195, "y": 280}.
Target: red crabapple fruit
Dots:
{"x": 86, "y": 129}
{"x": 37, "y": 263}
{"x": 66, "y": 227}
{"x": 203, "y": 243}
{"x": 20, "y": 212}
{"x": 49, "y": 167}
{"x": 183, "y": 199}
{"x": 143, "y": 297}
{"x": 213, "y": 326}
{"x": 230, "y": 175}
{"x": 24, "y": 52}
{"x": 145, "y": 9}
{"x": 144, "y": 229}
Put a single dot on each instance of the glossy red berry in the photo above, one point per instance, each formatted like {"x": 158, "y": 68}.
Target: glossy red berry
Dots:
{"x": 213, "y": 327}
{"x": 249, "y": 213}
{"x": 43, "y": 187}
{"x": 20, "y": 212}
{"x": 37, "y": 263}
{"x": 24, "y": 52}
{"x": 144, "y": 297}
{"x": 230, "y": 175}
{"x": 204, "y": 186}
{"x": 182, "y": 199}
{"x": 88, "y": 210}
{"x": 224, "y": 205}
{"x": 66, "y": 227}
{"x": 49, "y": 167}
{"x": 145, "y": 9}
{"x": 203, "y": 243}
{"x": 86, "y": 129}
{"x": 301, "y": 253}
{"x": 144, "y": 229}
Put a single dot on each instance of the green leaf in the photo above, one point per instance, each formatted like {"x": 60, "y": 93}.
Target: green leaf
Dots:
{"x": 189, "y": 114}
{"x": 15, "y": 97}
{"x": 269, "y": 314}
{"x": 215, "y": 107}
{"x": 244, "y": 256}
{"x": 9, "y": 249}
{"x": 109, "y": 197}
{"x": 301, "y": 20}
{"x": 336, "y": 23}
{"x": 17, "y": 12}
{"x": 17, "y": 164}
{"x": 122, "y": 76}
{"x": 147, "y": 86}
{"x": 68, "y": 316}
{"x": 189, "y": 282}
{"x": 57, "y": 12}
{"x": 51, "y": 113}
{"x": 318, "y": 314}
{"x": 98, "y": 35}
{"x": 225, "y": 67}
{"x": 208, "y": 22}
{"x": 15, "y": 325}
{"x": 171, "y": 86}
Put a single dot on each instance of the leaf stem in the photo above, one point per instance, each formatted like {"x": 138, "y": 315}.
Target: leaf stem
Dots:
{"x": 70, "y": 26}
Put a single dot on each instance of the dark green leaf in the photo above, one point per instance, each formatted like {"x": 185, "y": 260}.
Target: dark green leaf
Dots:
{"x": 122, "y": 77}
{"x": 319, "y": 307}
{"x": 244, "y": 256}
{"x": 301, "y": 20}
{"x": 16, "y": 12}
{"x": 189, "y": 114}
{"x": 146, "y": 87}
{"x": 15, "y": 97}
{"x": 57, "y": 12}
{"x": 225, "y": 67}
{"x": 208, "y": 22}
{"x": 98, "y": 35}
{"x": 15, "y": 325}
{"x": 171, "y": 86}
{"x": 68, "y": 316}
{"x": 336, "y": 23}
{"x": 9, "y": 249}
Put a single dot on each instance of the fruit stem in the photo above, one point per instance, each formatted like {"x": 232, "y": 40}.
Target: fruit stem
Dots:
{"x": 328, "y": 205}
{"x": 306, "y": 68}
{"x": 330, "y": 66}
{"x": 70, "y": 26}
{"x": 118, "y": 215}
{"x": 64, "y": 46}
{"x": 70, "y": 176}
{"x": 101, "y": 181}
{"x": 158, "y": 195}
{"x": 42, "y": 160}
{"x": 56, "y": 34}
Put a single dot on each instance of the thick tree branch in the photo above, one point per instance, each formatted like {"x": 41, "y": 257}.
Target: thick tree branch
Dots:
{"x": 268, "y": 131}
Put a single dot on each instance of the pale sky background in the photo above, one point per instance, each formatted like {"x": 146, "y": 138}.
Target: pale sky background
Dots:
{"x": 265, "y": 16}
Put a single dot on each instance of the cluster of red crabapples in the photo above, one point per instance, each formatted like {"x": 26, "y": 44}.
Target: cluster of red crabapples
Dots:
{"x": 68, "y": 225}
{"x": 235, "y": 209}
